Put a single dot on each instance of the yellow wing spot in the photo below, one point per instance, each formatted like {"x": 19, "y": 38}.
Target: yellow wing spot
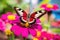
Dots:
{"x": 11, "y": 17}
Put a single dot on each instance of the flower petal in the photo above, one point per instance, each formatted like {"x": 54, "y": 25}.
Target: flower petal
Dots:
{"x": 24, "y": 32}
{"x": 2, "y": 25}
{"x": 39, "y": 27}
{"x": 32, "y": 32}
{"x": 16, "y": 30}
{"x": 55, "y": 7}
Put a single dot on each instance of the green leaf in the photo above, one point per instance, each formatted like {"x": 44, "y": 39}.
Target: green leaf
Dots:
{"x": 56, "y": 30}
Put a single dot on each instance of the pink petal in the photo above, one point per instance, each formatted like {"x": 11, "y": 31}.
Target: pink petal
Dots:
{"x": 4, "y": 17}
{"x": 2, "y": 25}
{"x": 48, "y": 9}
{"x": 38, "y": 21}
{"x": 16, "y": 30}
{"x": 39, "y": 27}
{"x": 43, "y": 5}
{"x": 54, "y": 24}
{"x": 32, "y": 32}
{"x": 24, "y": 32}
{"x": 44, "y": 34}
{"x": 55, "y": 7}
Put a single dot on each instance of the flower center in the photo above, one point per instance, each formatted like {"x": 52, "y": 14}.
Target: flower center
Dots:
{"x": 35, "y": 38}
{"x": 49, "y": 6}
{"x": 11, "y": 17}
{"x": 38, "y": 33}
{"x": 8, "y": 32}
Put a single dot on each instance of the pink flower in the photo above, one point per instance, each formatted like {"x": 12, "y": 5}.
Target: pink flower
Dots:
{"x": 11, "y": 18}
{"x": 48, "y": 36}
{"x": 56, "y": 37}
{"x": 2, "y": 25}
{"x": 55, "y": 24}
{"x": 24, "y": 31}
{"x": 45, "y": 36}
{"x": 49, "y": 7}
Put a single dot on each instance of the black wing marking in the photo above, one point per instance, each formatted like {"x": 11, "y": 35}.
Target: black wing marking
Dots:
{"x": 19, "y": 11}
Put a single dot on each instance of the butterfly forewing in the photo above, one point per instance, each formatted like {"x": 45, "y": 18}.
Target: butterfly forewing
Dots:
{"x": 21, "y": 13}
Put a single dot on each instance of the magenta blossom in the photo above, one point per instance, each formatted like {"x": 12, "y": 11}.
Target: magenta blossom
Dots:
{"x": 48, "y": 36}
{"x": 10, "y": 18}
{"x": 56, "y": 37}
{"x": 2, "y": 25}
{"x": 45, "y": 36}
{"x": 56, "y": 24}
{"x": 24, "y": 31}
{"x": 49, "y": 7}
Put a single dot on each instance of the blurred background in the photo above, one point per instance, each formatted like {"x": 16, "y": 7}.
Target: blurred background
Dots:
{"x": 50, "y": 23}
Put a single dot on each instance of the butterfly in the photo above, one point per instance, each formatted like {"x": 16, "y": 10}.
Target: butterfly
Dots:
{"x": 29, "y": 17}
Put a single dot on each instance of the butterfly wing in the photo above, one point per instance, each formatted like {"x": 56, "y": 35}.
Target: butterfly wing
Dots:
{"x": 32, "y": 19}
{"x": 36, "y": 15}
{"x": 22, "y": 14}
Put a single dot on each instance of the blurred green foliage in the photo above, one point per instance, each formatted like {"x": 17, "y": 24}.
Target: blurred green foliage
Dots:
{"x": 8, "y": 5}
